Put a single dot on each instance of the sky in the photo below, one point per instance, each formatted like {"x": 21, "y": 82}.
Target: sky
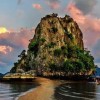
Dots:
{"x": 19, "y": 18}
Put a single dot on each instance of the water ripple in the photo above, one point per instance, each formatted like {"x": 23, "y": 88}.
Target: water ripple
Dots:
{"x": 12, "y": 90}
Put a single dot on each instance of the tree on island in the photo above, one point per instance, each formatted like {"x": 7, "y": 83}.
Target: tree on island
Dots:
{"x": 79, "y": 62}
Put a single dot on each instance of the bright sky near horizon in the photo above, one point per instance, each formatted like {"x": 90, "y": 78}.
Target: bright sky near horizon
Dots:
{"x": 18, "y": 19}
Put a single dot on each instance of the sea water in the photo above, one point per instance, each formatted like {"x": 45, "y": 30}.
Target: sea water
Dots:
{"x": 78, "y": 91}
{"x": 68, "y": 91}
{"x": 10, "y": 91}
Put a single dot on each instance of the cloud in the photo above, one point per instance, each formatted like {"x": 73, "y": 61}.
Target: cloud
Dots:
{"x": 16, "y": 38}
{"x": 37, "y": 6}
{"x": 54, "y": 4}
{"x": 86, "y": 6}
{"x": 89, "y": 24}
{"x": 5, "y": 49}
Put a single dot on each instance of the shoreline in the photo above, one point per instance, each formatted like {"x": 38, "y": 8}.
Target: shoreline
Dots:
{"x": 43, "y": 92}
{"x": 25, "y": 93}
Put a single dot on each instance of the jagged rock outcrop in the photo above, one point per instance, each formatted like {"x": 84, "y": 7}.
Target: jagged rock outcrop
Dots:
{"x": 50, "y": 45}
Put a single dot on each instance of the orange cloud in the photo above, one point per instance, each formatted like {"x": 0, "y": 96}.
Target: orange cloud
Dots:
{"x": 5, "y": 49}
{"x": 90, "y": 25}
{"x": 37, "y": 6}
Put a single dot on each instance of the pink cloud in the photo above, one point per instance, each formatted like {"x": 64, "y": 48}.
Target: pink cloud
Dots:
{"x": 5, "y": 49}
{"x": 90, "y": 25}
{"x": 37, "y": 6}
{"x": 17, "y": 38}
{"x": 54, "y": 5}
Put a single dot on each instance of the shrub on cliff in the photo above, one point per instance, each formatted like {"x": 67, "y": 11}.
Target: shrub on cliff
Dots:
{"x": 57, "y": 52}
{"x": 32, "y": 45}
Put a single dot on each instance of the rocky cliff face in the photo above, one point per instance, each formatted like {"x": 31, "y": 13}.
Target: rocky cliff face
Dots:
{"x": 50, "y": 45}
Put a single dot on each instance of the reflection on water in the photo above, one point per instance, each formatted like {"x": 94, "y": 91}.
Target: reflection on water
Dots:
{"x": 78, "y": 91}
{"x": 9, "y": 91}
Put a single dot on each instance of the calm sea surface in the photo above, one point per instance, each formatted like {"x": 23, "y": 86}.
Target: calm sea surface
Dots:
{"x": 9, "y": 91}
{"x": 68, "y": 91}
{"x": 78, "y": 91}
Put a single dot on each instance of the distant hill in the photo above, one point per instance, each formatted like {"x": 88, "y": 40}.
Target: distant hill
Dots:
{"x": 6, "y": 73}
{"x": 97, "y": 73}
{"x": 1, "y": 74}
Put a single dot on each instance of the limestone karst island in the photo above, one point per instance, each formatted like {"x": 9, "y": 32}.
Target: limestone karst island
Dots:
{"x": 55, "y": 51}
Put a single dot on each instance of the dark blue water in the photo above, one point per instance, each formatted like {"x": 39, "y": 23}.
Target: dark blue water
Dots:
{"x": 78, "y": 91}
{"x": 9, "y": 91}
